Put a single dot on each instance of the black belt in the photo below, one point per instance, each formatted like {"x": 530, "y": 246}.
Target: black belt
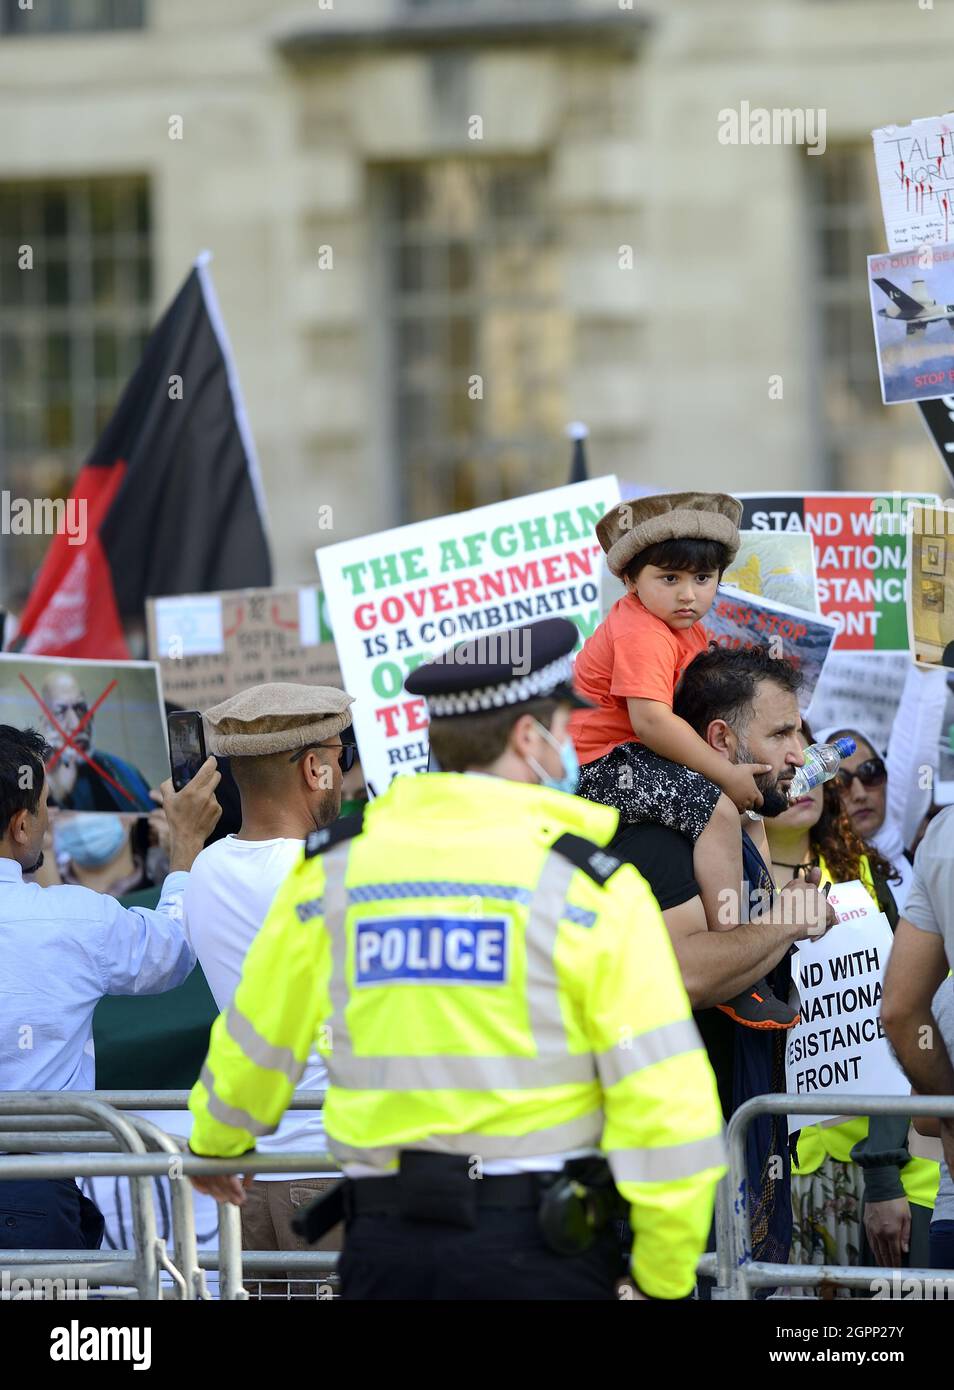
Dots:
{"x": 509, "y": 1191}
{"x": 573, "y": 1205}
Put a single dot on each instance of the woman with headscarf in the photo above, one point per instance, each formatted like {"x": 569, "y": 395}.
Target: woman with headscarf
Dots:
{"x": 859, "y": 1166}
{"x": 886, "y": 798}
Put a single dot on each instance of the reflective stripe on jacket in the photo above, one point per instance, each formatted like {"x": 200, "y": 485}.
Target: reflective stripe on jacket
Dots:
{"x": 475, "y": 993}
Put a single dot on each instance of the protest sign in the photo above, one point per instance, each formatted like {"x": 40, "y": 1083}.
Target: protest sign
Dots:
{"x": 211, "y": 646}
{"x": 776, "y": 565}
{"x": 839, "y": 1046}
{"x": 944, "y": 782}
{"x": 737, "y": 619}
{"x": 860, "y": 557}
{"x": 931, "y": 590}
{"x": 912, "y": 309}
{"x": 938, "y": 419}
{"x": 398, "y": 597}
{"x": 860, "y": 690}
{"x": 103, "y": 720}
{"x": 915, "y": 167}
{"x": 917, "y": 159}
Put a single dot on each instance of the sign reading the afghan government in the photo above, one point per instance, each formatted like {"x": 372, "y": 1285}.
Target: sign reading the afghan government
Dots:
{"x": 402, "y": 596}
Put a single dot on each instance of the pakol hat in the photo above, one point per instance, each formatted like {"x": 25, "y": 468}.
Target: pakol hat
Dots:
{"x": 276, "y": 718}
{"x": 632, "y": 526}
{"x": 500, "y": 670}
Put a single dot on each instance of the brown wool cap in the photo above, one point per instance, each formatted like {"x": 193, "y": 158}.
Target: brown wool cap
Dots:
{"x": 276, "y": 718}
{"x": 640, "y": 522}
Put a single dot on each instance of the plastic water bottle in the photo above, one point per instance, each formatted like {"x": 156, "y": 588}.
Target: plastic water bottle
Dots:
{"x": 822, "y": 761}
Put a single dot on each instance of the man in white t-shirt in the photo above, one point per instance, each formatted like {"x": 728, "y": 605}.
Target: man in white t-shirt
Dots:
{"x": 287, "y": 758}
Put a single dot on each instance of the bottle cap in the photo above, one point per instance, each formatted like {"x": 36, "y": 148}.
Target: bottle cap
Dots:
{"x": 845, "y": 746}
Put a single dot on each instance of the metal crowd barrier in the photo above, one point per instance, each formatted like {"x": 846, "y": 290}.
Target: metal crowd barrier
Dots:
{"x": 32, "y": 1121}
{"x": 39, "y": 1131}
{"x": 737, "y": 1274}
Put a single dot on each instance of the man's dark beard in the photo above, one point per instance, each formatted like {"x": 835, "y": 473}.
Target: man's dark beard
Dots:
{"x": 774, "y": 796}
{"x": 774, "y": 788}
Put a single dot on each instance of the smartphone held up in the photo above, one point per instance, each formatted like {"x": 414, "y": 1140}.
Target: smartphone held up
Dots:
{"x": 186, "y": 746}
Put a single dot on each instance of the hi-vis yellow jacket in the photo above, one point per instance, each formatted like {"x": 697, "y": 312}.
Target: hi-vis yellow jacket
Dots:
{"x": 475, "y": 991}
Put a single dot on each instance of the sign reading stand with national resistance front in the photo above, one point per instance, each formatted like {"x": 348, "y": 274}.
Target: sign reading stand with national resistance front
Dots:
{"x": 860, "y": 543}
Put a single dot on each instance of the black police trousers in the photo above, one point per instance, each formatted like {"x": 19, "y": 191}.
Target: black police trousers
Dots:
{"x": 505, "y": 1257}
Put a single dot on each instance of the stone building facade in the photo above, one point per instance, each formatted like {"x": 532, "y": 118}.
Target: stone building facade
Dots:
{"x": 443, "y": 228}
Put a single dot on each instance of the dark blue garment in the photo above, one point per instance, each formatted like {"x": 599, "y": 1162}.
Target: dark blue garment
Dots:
{"x": 758, "y": 1068}
{"x": 941, "y": 1245}
{"x": 49, "y": 1214}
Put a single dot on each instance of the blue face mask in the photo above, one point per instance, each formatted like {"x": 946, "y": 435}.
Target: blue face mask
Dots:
{"x": 571, "y": 765}
{"x": 89, "y": 840}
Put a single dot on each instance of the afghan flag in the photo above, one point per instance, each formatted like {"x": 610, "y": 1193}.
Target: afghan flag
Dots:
{"x": 172, "y": 493}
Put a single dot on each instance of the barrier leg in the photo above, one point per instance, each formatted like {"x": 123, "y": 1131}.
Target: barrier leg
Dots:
{"x": 183, "y": 1213}
{"x": 230, "y": 1253}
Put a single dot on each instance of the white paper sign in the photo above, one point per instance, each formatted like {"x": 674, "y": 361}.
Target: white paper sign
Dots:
{"x": 189, "y": 626}
{"x": 915, "y": 165}
{"x": 860, "y": 690}
{"x": 839, "y": 1047}
{"x": 398, "y": 597}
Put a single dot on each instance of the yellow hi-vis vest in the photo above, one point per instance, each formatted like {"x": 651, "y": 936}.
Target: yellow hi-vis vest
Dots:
{"x": 919, "y": 1177}
{"x": 475, "y": 992}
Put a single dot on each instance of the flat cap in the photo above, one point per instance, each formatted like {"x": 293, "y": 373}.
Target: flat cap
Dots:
{"x": 499, "y": 670}
{"x": 276, "y": 718}
{"x": 632, "y": 526}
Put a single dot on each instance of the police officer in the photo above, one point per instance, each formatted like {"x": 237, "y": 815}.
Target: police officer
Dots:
{"x": 500, "y": 1009}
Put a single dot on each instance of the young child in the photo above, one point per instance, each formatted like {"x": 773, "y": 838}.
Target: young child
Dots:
{"x": 635, "y": 754}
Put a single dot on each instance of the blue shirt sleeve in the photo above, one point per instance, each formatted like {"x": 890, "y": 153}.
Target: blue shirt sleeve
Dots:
{"x": 146, "y": 951}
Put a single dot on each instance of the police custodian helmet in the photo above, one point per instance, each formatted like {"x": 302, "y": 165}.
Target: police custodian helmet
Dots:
{"x": 500, "y": 670}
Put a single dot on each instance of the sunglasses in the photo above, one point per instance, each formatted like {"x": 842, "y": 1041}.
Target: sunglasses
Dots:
{"x": 873, "y": 773}
{"x": 346, "y": 756}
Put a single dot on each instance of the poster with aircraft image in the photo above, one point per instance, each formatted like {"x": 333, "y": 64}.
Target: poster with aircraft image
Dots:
{"x": 912, "y": 308}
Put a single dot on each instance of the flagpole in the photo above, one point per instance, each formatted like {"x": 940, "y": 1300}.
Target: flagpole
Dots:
{"x": 578, "y": 432}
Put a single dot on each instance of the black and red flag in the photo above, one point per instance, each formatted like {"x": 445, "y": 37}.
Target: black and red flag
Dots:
{"x": 172, "y": 491}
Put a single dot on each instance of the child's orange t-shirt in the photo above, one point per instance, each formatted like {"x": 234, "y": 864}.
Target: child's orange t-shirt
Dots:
{"x": 631, "y": 655}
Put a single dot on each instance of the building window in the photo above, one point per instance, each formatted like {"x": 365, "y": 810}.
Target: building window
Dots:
{"x": 72, "y": 330}
{"x": 70, "y": 16}
{"x": 479, "y": 342}
{"x": 867, "y": 444}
